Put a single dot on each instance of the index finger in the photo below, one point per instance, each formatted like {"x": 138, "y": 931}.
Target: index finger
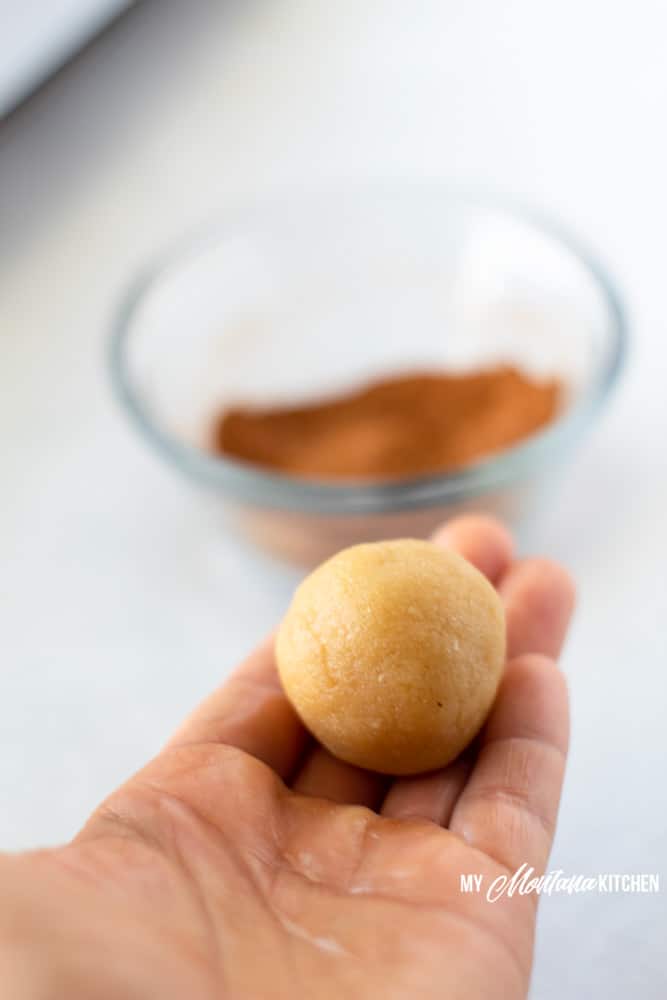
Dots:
{"x": 251, "y": 712}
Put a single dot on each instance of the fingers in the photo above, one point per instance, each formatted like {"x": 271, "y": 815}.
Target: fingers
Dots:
{"x": 509, "y": 806}
{"x": 251, "y": 712}
{"x": 482, "y": 540}
{"x": 324, "y": 776}
{"x": 488, "y": 545}
{"x": 539, "y": 599}
{"x": 429, "y": 796}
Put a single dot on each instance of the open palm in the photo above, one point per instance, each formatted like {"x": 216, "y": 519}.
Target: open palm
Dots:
{"x": 244, "y": 861}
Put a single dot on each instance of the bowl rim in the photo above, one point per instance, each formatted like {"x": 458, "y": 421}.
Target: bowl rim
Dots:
{"x": 260, "y": 487}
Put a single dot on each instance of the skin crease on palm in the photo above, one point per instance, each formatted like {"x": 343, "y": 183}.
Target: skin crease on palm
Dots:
{"x": 244, "y": 861}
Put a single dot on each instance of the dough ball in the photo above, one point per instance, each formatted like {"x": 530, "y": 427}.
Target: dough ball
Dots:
{"x": 391, "y": 653}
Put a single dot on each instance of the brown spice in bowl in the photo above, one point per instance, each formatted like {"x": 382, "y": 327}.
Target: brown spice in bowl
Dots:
{"x": 398, "y": 427}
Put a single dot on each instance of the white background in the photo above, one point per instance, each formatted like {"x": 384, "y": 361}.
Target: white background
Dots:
{"x": 122, "y": 599}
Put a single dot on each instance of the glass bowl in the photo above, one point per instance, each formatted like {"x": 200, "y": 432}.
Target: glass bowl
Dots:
{"x": 305, "y": 296}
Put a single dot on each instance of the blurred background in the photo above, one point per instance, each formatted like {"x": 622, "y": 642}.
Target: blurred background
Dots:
{"x": 122, "y": 597}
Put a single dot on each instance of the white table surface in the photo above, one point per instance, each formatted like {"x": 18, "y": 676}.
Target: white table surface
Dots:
{"x": 122, "y": 598}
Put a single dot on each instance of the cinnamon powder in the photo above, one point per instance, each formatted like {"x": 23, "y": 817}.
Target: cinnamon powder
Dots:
{"x": 398, "y": 427}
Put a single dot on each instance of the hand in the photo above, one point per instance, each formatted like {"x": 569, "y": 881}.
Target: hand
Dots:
{"x": 244, "y": 861}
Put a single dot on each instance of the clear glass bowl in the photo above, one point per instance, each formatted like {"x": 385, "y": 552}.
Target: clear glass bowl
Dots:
{"x": 303, "y": 297}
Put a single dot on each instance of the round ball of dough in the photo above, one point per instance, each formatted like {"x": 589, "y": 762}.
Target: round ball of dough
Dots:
{"x": 391, "y": 653}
